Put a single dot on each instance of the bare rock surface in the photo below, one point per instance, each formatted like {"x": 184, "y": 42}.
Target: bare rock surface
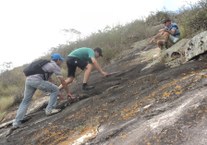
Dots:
{"x": 186, "y": 49}
{"x": 158, "y": 105}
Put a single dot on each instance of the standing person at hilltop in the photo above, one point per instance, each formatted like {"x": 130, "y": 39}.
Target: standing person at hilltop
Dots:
{"x": 39, "y": 77}
{"x": 85, "y": 59}
{"x": 170, "y": 32}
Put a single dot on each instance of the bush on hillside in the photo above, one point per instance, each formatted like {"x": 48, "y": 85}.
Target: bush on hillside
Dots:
{"x": 5, "y": 103}
{"x": 155, "y": 18}
{"x": 198, "y": 21}
{"x": 113, "y": 40}
{"x": 12, "y": 84}
{"x": 193, "y": 19}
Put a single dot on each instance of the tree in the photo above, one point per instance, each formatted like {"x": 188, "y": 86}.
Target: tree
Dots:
{"x": 71, "y": 33}
{"x": 5, "y": 66}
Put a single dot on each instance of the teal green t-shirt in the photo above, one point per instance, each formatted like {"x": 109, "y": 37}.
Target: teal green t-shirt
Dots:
{"x": 83, "y": 53}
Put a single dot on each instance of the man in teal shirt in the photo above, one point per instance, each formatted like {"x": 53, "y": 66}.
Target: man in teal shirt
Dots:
{"x": 85, "y": 59}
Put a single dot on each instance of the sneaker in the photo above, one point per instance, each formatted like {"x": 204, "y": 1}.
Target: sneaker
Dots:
{"x": 25, "y": 119}
{"x": 87, "y": 87}
{"x": 13, "y": 128}
{"x": 53, "y": 111}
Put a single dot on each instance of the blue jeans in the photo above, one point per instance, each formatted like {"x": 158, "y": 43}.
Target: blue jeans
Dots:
{"x": 30, "y": 87}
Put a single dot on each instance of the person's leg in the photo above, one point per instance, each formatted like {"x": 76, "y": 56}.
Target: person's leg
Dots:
{"x": 155, "y": 38}
{"x": 84, "y": 65}
{"x": 28, "y": 93}
{"x": 163, "y": 42}
{"x": 166, "y": 36}
{"x": 69, "y": 79}
{"x": 71, "y": 66}
{"x": 87, "y": 73}
{"x": 53, "y": 89}
{"x": 160, "y": 43}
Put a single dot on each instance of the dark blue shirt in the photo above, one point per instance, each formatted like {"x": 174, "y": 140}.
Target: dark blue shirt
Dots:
{"x": 174, "y": 26}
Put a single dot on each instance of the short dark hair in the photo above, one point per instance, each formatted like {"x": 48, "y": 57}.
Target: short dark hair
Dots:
{"x": 99, "y": 50}
{"x": 166, "y": 20}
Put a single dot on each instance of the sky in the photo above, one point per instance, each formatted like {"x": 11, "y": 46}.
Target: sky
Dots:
{"x": 29, "y": 28}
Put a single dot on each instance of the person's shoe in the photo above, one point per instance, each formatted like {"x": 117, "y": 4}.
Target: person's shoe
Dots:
{"x": 13, "y": 128}
{"x": 25, "y": 119}
{"x": 53, "y": 111}
{"x": 87, "y": 87}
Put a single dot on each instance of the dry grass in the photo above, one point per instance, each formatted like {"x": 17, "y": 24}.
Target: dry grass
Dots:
{"x": 6, "y": 102}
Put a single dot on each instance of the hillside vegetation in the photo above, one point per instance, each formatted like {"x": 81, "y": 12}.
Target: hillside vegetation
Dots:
{"x": 192, "y": 19}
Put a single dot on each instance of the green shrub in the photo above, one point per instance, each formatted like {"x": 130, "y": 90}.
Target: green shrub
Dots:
{"x": 155, "y": 18}
{"x": 198, "y": 21}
